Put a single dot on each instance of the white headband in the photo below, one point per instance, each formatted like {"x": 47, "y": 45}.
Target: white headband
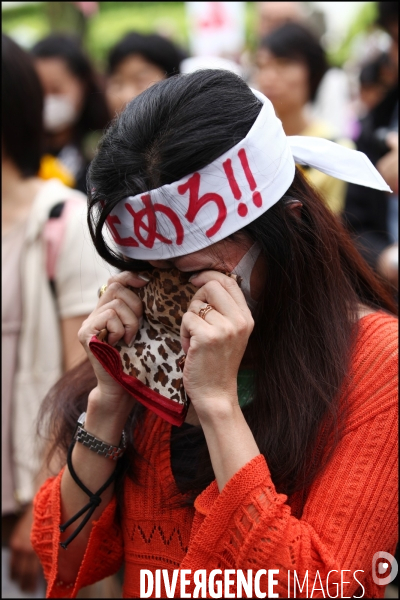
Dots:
{"x": 232, "y": 191}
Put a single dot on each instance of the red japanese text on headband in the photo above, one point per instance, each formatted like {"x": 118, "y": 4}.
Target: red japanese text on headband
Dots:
{"x": 232, "y": 191}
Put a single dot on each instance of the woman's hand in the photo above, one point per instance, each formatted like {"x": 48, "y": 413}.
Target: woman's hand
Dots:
{"x": 215, "y": 345}
{"x": 24, "y": 564}
{"x": 119, "y": 310}
{"x": 214, "y": 349}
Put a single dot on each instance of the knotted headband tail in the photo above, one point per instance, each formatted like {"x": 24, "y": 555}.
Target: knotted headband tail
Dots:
{"x": 336, "y": 160}
{"x": 333, "y": 159}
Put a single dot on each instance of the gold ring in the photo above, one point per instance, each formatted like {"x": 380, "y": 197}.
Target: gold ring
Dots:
{"x": 203, "y": 311}
{"x": 102, "y": 290}
{"x": 102, "y": 335}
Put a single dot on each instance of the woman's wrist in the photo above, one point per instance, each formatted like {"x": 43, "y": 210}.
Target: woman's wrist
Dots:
{"x": 106, "y": 420}
{"x": 230, "y": 442}
{"x": 101, "y": 400}
{"x": 218, "y": 411}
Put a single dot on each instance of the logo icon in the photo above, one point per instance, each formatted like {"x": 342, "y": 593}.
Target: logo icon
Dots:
{"x": 387, "y": 564}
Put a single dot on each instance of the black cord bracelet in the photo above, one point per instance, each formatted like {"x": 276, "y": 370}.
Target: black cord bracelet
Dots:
{"x": 94, "y": 500}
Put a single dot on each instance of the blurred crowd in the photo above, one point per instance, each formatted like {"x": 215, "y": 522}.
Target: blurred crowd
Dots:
{"x": 55, "y": 109}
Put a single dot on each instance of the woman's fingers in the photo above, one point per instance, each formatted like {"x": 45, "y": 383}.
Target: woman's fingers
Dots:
{"x": 129, "y": 278}
{"x": 119, "y": 320}
{"x": 195, "y": 331}
{"x": 224, "y": 304}
{"x": 119, "y": 310}
{"x": 118, "y": 290}
{"x": 220, "y": 289}
{"x": 212, "y": 316}
{"x": 230, "y": 319}
{"x": 24, "y": 569}
{"x": 29, "y": 571}
{"x": 119, "y": 286}
{"x": 214, "y": 293}
{"x": 213, "y": 329}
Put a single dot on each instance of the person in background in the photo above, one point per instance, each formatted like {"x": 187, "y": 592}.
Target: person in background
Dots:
{"x": 74, "y": 105}
{"x": 42, "y": 307}
{"x": 333, "y": 97}
{"x": 290, "y": 64}
{"x": 271, "y": 15}
{"x": 376, "y": 79}
{"x": 371, "y": 215}
{"x": 135, "y": 63}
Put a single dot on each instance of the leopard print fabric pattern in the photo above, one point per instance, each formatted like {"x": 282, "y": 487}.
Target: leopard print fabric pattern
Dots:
{"x": 156, "y": 352}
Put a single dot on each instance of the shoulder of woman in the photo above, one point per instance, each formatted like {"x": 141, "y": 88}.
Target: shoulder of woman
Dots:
{"x": 53, "y": 191}
{"x": 372, "y": 385}
{"x": 376, "y": 343}
{"x": 375, "y": 330}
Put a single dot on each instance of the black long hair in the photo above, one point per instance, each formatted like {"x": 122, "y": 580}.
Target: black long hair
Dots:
{"x": 305, "y": 321}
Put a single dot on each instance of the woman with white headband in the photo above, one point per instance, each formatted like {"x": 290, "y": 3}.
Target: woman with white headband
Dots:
{"x": 286, "y": 456}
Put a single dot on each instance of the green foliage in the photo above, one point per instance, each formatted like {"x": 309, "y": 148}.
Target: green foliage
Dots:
{"x": 105, "y": 28}
{"x": 115, "y": 19}
{"x": 251, "y": 29}
{"x": 28, "y": 19}
{"x": 32, "y": 21}
{"x": 364, "y": 21}
{"x": 21, "y": 12}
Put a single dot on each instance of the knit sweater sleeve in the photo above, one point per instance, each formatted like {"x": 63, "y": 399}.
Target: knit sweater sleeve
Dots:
{"x": 104, "y": 553}
{"x": 351, "y": 510}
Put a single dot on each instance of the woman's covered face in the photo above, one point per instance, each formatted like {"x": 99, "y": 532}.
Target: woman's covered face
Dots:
{"x": 64, "y": 94}
{"x": 131, "y": 77}
{"x": 283, "y": 80}
{"x": 224, "y": 256}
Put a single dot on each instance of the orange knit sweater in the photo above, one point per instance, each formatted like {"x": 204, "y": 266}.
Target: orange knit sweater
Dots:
{"x": 350, "y": 512}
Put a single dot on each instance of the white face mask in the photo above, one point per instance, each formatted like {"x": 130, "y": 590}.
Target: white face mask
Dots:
{"x": 59, "y": 112}
{"x": 244, "y": 269}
